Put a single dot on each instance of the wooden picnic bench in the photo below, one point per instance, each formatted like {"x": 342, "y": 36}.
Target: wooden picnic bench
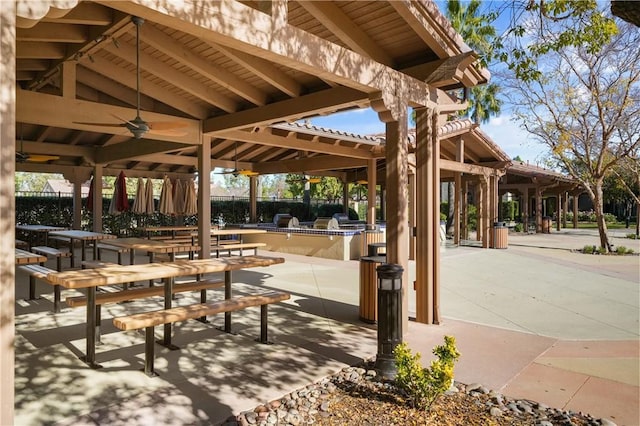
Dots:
{"x": 91, "y": 279}
{"x": 36, "y": 271}
{"x": 148, "y": 320}
{"x": 237, "y": 246}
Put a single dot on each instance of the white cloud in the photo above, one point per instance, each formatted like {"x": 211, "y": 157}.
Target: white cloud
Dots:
{"x": 507, "y": 134}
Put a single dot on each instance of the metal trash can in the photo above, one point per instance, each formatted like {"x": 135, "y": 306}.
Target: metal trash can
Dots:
{"x": 368, "y": 310}
{"x": 500, "y": 235}
{"x": 546, "y": 224}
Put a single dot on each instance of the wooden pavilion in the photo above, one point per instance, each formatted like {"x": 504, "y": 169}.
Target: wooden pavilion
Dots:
{"x": 178, "y": 87}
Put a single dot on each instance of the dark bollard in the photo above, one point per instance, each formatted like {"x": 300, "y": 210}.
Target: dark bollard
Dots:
{"x": 389, "y": 318}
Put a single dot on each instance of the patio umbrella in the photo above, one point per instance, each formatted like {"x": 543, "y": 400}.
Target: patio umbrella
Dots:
{"x": 166, "y": 197}
{"x": 140, "y": 202}
{"x": 89, "y": 205}
{"x": 190, "y": 198}
{"x": 120, "y": 200}
{"x": 150, "y": 207}
{"x": 178, "y": 197}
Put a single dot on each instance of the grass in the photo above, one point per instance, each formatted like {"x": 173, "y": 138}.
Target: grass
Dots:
{"x": 610, "y": 225}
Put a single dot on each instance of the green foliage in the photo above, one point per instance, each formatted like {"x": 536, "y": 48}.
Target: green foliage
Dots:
{"x": 423, "y": 385}
{"x": 472, "y": 217}
{"x": 509, "y": 209}
{"x": 622, "y": 250}
{"x": 602, "y": 250}
{"x": 550, "y": 26}
{"x": 632, "y": 236}
{"x": 588, "y": 249}
{"x": 518, "y": 228}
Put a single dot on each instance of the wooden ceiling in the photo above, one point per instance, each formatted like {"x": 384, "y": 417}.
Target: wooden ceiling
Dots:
{"x": 77, "y": 64}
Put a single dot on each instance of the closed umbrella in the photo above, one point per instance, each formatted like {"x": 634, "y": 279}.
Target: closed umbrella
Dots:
{"x": 89, "y": 205}
{"x": 190, "y": 199}
{"x": 150, "y": 207}
{"x": 140, "y": 202}
{"x": 166, "y": 198}
{"x": 120, "y": 200}
{"x": 178, "y": 197}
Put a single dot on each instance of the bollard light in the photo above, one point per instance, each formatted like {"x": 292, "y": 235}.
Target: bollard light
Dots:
{"x": 389, "y": 318}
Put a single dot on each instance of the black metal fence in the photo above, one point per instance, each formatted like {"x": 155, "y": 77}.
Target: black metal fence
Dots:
{"x": 48, "y": 208}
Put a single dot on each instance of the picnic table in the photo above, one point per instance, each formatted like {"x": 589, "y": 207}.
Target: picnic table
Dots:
{"x": 91, "y": 279}
{"x": 152, "y": 247}
{"x": 41, "y": 232}
{"x": 83, "y": 237}
{"x": 24, "y": 257}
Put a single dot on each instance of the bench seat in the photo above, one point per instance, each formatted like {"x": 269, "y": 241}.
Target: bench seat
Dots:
{"x": 107, "y": 247}
{"x": 40, "y": 272}
{"x": 148, "y": 320}
{"x": 239, "y": 246}
{"x": 52, "y": 252}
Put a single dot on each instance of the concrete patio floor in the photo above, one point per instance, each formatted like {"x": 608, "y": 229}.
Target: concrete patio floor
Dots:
{"x": 533, "y": 321}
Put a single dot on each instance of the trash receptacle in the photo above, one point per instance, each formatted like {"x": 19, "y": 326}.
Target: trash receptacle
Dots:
{"x": 369, "y": 288}
{"x": 500, "y": 235}
{"x": 367, "y": 237}
{"x": 546, "y": 224}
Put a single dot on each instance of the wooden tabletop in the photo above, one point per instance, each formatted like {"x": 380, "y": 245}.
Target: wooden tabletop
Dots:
{"x": 149, "y": 271}
{"x": 82, "y": 235}
{"x": 24, "y": 257}
{"x": 169, "y": 228}
{"x": 154, "y": 246}
{"x": 39, "y": 228}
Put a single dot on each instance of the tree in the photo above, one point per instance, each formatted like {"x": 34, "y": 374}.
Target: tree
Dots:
{"x": 585, "y": 108}
{"x": 540, "y": 27}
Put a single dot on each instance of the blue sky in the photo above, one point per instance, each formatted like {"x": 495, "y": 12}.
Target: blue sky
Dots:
{"x": 501, "y": 129}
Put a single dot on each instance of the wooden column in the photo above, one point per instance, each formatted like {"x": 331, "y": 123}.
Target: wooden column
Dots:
{"x": 77, "y": 176}
{"x": 427, "y": 217}
{"x": 565, "y": 210}
{"x": 97, "y": 198}
{"x": 371, "y": 192}
{"x": 397, "y": 201}
{"x": 345, "y": 197}
{"x": 575, "y": 212}
{"x": 7, "y": 210}
{"x": 559, "y": 211}
{"x": 538, "y": 208}
{"x": 464, "y": 213}
{"x": 253, "y": 199}
{"x": 493, "y": 208}
{"x": 485, "y": 211}
{"x": 412, "y": 216}
{"x": 457, "y": 184}
{"x": 68, "y": 79}
{"x": 204, "y": 196}
{"x": 525, "y": 208}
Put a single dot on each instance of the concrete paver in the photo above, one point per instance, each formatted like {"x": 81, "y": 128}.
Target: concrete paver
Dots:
{"x": 534, "y": 321}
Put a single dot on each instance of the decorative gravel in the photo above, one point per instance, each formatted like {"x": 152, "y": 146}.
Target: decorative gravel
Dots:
{"x": 355, "y": 396}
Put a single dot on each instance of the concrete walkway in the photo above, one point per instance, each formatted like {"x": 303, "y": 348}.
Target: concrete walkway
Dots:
{"x": 531, "y": 321}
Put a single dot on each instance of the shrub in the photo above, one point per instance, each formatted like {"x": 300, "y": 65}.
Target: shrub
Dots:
{"x": 588, "y": 249}
{"x": 632, "y": 236}
{"x": 421, "y": 385}
{"x": 518, "y": 227}
{"x": 602, "y": 250}
{"x": 621, "y": 250}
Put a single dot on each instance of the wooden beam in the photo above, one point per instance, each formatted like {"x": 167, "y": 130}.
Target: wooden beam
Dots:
{"x": 173, "y": 76}
{"x": 33, "y": 50}
{"x": 62, "y": 149}
{"x": 474, "y": 169}
{"x": 263, "y": 69}
{"x": 315, "y": 164}
{"x": 56, "y": 111}
{"x": 181, "y": 53}
{"x": 336, "y": 21}
{"x": 52, "y": 33}
{"x": 321, "y": 102}
{"x": 85, "y": 13}
{"x": 266, "y": 137}
{"x": 133, "y": 149}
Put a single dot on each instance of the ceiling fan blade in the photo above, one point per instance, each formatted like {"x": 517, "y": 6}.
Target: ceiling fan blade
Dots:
{"x": 35, "y": 158}
{"x": 248, "y": 173}
{"x": 86, "y": 123}
{"x": 166, "y": 125}
{"x": 169, "y": 132}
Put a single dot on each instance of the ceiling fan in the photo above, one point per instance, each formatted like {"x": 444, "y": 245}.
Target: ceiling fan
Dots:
{"x": 236, "y": 171}
{"x": 22, "y": 157}
{"x": 137, "y": 126}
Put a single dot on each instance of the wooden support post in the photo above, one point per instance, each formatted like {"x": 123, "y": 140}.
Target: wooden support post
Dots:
{"x": 371, "y": 192}
{"x": 412, "y": 216}
{"x": 538, "y": 208}
{"x": 464, "y": 224}
{"x": 204, "y": 197}
{"x": 253, "y": 199}
{"x": 565, "y": 209}
{"x": 575, "y": 212}
{"x": 97, "y": 199}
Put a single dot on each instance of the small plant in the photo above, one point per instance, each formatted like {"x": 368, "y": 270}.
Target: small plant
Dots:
{"x": 424, "y": 385}
{"x": 588, "y": 249}
{"x": 518, "y": 227}
{"x": 632, "y": 236}
{"x": 602, "y": 250}
{"x": 621, "y": 250}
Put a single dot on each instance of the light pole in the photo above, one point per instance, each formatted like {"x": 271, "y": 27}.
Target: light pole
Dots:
{"x": 389, "y": 318}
